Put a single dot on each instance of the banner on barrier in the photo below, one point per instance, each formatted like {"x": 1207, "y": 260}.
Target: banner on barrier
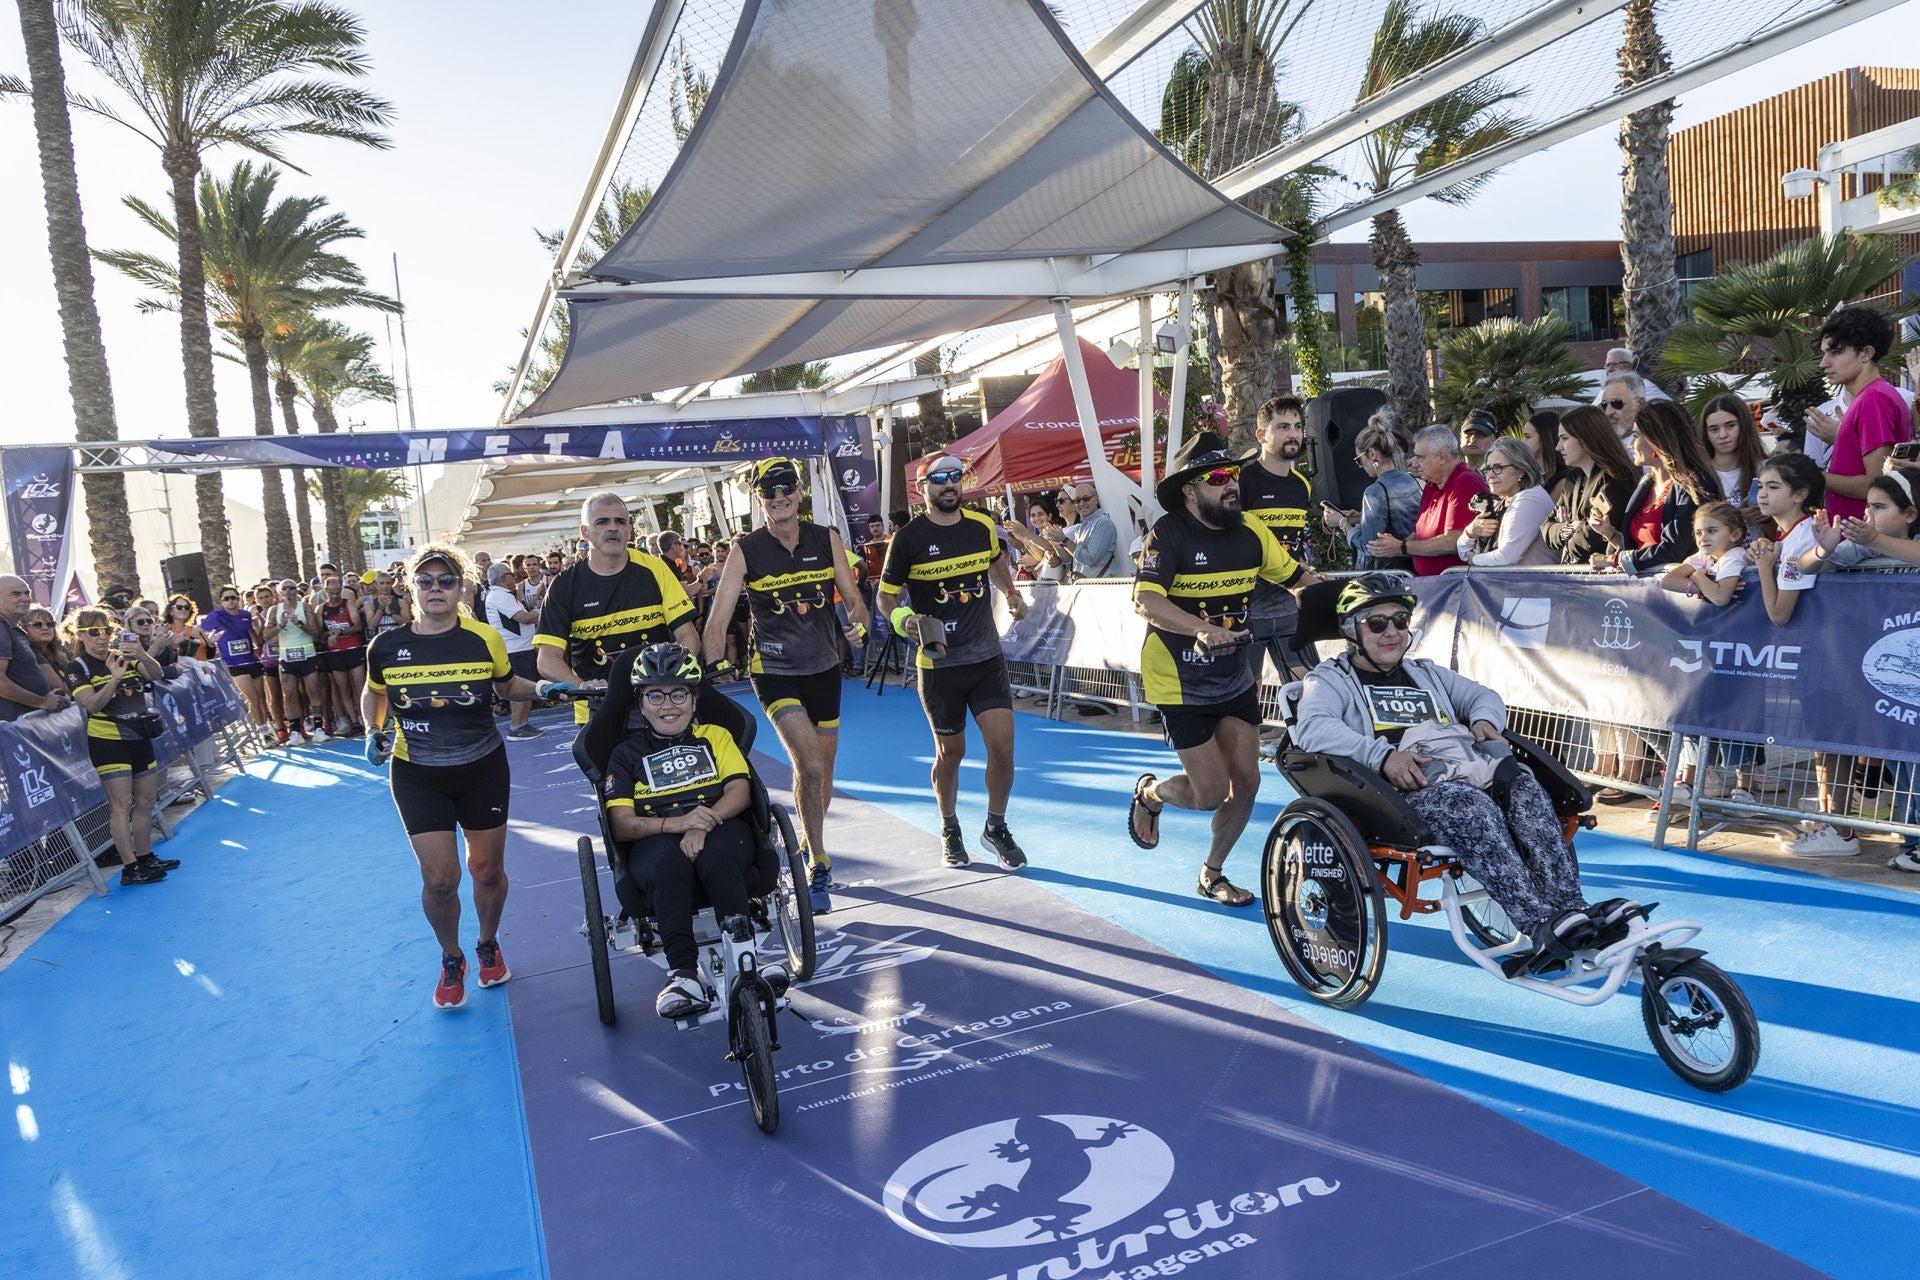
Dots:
{"x": 39, "y": 497}
{"x": 1074, "y": 625}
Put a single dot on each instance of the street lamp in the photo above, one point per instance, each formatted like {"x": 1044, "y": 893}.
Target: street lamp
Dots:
{"x": 1799, "y": 183}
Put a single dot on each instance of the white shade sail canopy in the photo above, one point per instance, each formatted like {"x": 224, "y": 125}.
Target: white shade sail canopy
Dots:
{"x": 872, "y": 172}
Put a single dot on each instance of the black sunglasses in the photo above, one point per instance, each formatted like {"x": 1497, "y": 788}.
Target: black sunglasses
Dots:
{"x": 778, "y": 490}
{"x": 1399, "y": 620}
{"x": 444, "y": 581}
{"x": 1614, "y": 404}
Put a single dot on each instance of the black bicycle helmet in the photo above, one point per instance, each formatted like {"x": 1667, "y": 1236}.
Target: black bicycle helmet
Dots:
{"x": 1366, "y": 590}
{"x": 665, "y": 663}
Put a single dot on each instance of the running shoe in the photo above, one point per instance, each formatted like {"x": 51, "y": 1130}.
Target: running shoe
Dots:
{"x": 1908, "y": 859}
{"x": 525, "y": 731}
{"x": 1822, "y": 840}
{"x": 683, "y": 996}
{"x": 953, "y": 845}
{"x": 493, "y": 965}
{"x": 817, "y": 894}
{"x": 165, "y": 864}
{"x": 134, "y": 873}
{"x": 280, "y": 736}
{"x": 1000, "y": 842}
{"x": 452, "y": 991}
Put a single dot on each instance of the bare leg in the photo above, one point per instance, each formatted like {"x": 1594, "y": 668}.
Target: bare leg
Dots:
{"x": 249, "y": 687}
{"x": 439, "y": 856}
{"x": 1239, "y": 744}
{"x": 802, "y": 742}
{"x": 292, "y": 700}
{"x": 119, "y": 789}
{"x": 486, "y": 862}
{"x": 996, "y": 727}
{"x": 949, "y": 749}
{"x": 316, "y": 689}
{"x": 140, "y": 812}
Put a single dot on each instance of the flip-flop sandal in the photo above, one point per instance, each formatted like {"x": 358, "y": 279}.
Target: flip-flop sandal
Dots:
{"x": 1223, "y": 891}
{"x": 1152, "y": 840}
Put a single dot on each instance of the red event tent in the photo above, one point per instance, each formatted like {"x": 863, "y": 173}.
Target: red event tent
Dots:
{"x": 1034, "y": 443}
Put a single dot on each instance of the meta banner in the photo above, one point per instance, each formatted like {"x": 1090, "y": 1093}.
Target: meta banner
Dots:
{"x": 39, "y": 494}
{"x": 856, "y": 473}
{"x": 1842, "y": 675}
{"x": 742, "y": 440}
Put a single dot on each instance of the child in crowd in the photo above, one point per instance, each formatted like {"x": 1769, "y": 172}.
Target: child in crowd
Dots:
{"x": 1792, "y": 488}
{"x": 1713, "y": 572}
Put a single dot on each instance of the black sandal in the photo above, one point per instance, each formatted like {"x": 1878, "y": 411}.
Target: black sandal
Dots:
{"x": 1138, "y": 807}
{"x": 1223, "y": 891}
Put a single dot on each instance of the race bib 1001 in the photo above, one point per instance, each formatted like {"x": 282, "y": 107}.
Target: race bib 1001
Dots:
{"x": 1402, "y": 707}
{"x": 678, "y": 767}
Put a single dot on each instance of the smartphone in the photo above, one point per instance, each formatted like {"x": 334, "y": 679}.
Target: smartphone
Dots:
{"x": 1328, "y": 506}
{"x": 127, "y": 637}
{"x": 1907, "y": 450}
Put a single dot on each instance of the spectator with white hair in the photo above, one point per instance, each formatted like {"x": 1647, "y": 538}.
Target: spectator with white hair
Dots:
{"x": 1621, "y": 360}
{"x": 1621, "y": 400}
{"x": 1445, "y": 504}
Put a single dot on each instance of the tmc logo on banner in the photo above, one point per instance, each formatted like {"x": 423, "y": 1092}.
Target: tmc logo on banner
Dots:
{"x": 1009, "y": 1183}
{"x": 1767, "y": 661}
{"x": 1524, "y": 619}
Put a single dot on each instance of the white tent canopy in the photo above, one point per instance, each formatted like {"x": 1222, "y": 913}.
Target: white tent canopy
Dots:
{"x": 874, "y": 172}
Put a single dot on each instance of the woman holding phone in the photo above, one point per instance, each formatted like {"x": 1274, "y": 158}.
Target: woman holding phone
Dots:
{"x": 110, "y": 680}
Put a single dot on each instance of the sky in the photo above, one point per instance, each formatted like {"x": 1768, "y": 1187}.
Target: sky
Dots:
{"x": 498, "y": 113}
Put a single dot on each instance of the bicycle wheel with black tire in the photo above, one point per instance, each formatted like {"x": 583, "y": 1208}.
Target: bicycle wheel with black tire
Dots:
{"x": 793, "y": 908}
{"x": 1486, "y": 921}
{"x": 751, "y": 1040}
{"x": 596, "y": 931}
{"x": 1325, "y": 912}
{"x": 1701, "y": 1025}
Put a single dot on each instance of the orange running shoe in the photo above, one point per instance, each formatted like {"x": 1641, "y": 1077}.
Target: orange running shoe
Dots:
{"x": 493, "y": 965}
{"x": 452, "y": 991}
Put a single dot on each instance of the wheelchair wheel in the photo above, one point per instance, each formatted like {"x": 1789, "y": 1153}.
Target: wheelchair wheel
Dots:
{"x": 751, "y": 1041}
{"x": 793, "y": 908}
{"x": 1486, "y": 921}
{"x": 1701, "y": 1026}
{"x": 1324, "y": 908}
{"x": 596, "y": 931}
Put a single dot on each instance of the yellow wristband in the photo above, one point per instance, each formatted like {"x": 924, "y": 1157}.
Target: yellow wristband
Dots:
{"x": 899, "y": 620}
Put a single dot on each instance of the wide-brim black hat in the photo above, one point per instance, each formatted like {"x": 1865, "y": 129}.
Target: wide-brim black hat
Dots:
{"x": 1197, "y": 456}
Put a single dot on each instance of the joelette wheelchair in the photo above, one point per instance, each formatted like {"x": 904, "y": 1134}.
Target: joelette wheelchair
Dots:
{"x": 1336, "y": 855}
{"x": 738, "y": 987}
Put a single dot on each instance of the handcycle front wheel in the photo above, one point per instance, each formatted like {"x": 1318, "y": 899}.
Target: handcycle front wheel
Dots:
{"x": 596, "y": 931}
{"x": 793, "y": 908}
{"x": 1324, "y": 909}
{"x": 1701, "y": 1025}
{"x": 751, "y": 1040}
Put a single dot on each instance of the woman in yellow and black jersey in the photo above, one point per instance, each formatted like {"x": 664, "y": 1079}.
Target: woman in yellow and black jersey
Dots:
{"x": 437, "y": 676}
{"x": 110, "y": 678}
{"x": 675, "y": 792}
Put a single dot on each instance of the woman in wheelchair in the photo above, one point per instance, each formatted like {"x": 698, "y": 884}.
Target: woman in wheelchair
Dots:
{"x": 1363, "y": 703}
{"x": 675, "y": 793}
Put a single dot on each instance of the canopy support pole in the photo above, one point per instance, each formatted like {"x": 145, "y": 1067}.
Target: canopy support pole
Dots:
{"x": 716, "y": 494}
{"x": 1177, "y": 396}
{"x": 1118, "y": 497}
{"x": 1146, "y": 353}
{"x": 885, "y": 451}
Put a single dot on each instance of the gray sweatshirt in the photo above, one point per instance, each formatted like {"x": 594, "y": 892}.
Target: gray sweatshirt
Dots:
{"x": 1334, "y": 718}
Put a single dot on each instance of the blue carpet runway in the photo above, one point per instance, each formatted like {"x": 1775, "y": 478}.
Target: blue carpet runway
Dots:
{"x": 238, "y": 1072}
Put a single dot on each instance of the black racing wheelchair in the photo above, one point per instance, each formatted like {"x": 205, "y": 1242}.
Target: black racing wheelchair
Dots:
{"x": 729, "y": 951}
{"x": 1336, "y": 855}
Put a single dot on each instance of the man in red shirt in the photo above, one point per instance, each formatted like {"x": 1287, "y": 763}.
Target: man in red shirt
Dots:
{"x": 1851, "y": 342}
{"x": 1445, "y": 509}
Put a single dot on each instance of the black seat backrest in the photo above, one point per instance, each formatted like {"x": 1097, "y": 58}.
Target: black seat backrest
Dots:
{"x": 1317, "y": 621}
{"x": 606, "y": 726}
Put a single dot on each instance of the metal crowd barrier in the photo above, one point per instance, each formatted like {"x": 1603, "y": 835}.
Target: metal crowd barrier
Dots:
{"x": 66, "y": 855}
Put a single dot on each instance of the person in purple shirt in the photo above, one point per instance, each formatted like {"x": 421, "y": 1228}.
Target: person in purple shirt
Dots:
{"x": 230, "y": 627}
{"x": 1851, "y": 343}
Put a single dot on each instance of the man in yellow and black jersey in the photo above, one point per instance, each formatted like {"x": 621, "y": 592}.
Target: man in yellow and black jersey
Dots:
{"x": 790, "y": 569}
{"x": 614, "y": 600}
{"x": 1198, "y": 570}
{"x": 437, "y": 676}
{"x": 944, "y": 560}
{"x": 1275, "y": 493}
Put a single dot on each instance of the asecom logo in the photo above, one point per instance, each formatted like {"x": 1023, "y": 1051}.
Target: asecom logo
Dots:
{"x": 1523, "y": 621}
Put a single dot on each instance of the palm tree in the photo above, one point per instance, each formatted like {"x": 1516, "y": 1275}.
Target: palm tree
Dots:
{"x": 618, "y": 211}
{"x": 109, "y": 530}
{"x": 196, "y": 74}
{"x": 268, "y": 262}
{"x": 362, "y": 489}
{"x": 1650, "y": 284}
{"x": 786, "y": 377}
{"x": 1467, "y": 121}
{"x": 1505, "y": 367}
{"x": 1757, "y": 320}
{"x": 1221, "y": 108}
{"x": 336, "y": 367}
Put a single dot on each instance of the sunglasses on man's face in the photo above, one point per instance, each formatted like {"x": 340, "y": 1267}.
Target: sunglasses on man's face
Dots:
{"x": 948, "y": 475}
{"x": 1221, "y": 477}
{"x": 778, "y": 490}
{"x": 1615, "y": 403}
{"x": 444, "y": 581}
{"x": 229, "y": 597}
{"x": 1379, "y": 622}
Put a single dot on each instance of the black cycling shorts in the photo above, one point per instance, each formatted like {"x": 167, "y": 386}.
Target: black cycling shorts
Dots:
{"x": 524, "y": 665}
{"x": 120, "y": 757}
{"x": 818, "y": 695}
{"x": 343, "y": 660}
{"x": 949, "y": 693}
{"x": 253, "y": 669}
{"x": 472, "y": 797}
{"x": 1189, "y": 726}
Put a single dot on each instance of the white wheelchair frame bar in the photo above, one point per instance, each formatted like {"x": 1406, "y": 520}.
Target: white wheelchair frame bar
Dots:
{"x": 1609, "y": 967}
{"x": 721, "y": 962}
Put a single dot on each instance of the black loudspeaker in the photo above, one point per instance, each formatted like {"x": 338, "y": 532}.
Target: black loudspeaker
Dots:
{"x": 187, "y": 575}
{"x": 1334, "y": 421}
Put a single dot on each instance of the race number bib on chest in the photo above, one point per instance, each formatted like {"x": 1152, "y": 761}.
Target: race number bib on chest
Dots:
{"x": 1398, "y": 707}
{"x": 684, "y": 765}
{"x": 237, "y": 647}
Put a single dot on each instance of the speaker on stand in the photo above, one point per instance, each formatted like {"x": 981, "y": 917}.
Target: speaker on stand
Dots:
{"x": 187, "y": 575}
{"x": 1334, "y": 422}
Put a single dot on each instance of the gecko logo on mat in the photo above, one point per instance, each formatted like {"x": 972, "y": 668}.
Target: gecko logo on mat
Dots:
{"x": 1036, "y": 1178}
